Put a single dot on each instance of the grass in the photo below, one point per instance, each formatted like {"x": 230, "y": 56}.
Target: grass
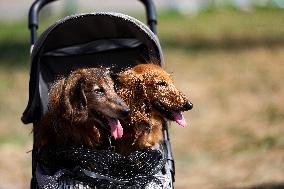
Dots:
{"x": 229, "y": 63}
{"x": 222, "y": 29}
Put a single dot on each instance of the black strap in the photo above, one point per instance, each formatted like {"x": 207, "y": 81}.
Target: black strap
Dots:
{"x": 168, "y": 150}
{"x": 34, "y": 184}
{"x": 95, "y": 47}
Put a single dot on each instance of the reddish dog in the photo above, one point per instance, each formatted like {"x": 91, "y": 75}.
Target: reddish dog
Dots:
{"x": 79, "y": 105}
{"x": 152, "y": 97}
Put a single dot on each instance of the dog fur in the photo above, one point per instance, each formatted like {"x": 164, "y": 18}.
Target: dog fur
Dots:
{"x": 152, "y": 97}
{"x": 78, "y": 105}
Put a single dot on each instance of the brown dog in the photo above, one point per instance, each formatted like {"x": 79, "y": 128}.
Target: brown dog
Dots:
{"x": 79, "y": 106}
{"x": 152, "y": 97}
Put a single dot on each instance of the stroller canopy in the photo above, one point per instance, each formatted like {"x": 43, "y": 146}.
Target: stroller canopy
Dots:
{"x": 113, "y": 40}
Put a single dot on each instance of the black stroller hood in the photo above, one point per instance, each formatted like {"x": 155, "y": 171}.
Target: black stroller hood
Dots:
{"x": 86, "y": 40}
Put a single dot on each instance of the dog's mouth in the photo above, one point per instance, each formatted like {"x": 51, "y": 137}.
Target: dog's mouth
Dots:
{"x": 176, "y": 116}
{"x": 115, "y": 127}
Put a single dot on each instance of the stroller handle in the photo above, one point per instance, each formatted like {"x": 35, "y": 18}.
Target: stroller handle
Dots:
{"x": 33, "y": 17}
{"x": 39, "y": 4}
{"x": 151, "y": 14}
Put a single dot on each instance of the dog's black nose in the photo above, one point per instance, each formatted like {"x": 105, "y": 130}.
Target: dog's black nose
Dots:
{"x": 188, "y": 106}
{"x": 124, "y": 112}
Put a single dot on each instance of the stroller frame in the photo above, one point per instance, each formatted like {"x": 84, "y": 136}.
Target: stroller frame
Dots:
{"x": 152, "y": 23}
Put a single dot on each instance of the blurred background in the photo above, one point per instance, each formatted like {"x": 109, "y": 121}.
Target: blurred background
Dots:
{"x": 226, "y": 55}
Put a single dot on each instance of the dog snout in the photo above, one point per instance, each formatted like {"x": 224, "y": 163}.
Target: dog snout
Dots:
{"x": 188, "y": 106}
{"x": 120, "y": 102}
{"x": 124, "y": 112}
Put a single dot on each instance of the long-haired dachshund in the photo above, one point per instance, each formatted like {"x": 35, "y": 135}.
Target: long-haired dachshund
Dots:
{"x": 152, "y": 97}
{"x": 79, "y": 105}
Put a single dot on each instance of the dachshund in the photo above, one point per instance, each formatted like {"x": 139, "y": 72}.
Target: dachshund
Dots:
{"x": 149, "y": 92}
{"x": 81, "y": 107}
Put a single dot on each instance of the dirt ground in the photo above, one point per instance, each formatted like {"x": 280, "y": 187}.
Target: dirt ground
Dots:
{"x": 234, "y": 139}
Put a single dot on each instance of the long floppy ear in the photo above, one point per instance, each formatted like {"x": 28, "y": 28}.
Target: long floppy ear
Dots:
{"x": 79, "y": 95}
{"x": 55, "y": 94}
{"x": 74, "y": 100}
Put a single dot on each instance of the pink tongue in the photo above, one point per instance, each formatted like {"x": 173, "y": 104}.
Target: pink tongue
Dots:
{"x": 178, "y": 117}
{"x": 115, "y": 127}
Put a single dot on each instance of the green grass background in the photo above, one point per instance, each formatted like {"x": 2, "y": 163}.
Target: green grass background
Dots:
{"x": 229, "y": 63}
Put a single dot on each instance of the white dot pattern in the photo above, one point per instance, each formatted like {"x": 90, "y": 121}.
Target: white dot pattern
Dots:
{"x": 79, "y": 167}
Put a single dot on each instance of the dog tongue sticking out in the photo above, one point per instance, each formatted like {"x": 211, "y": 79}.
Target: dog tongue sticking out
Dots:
{"x": 179, "y": 118}
{"x": 115, "y": 127}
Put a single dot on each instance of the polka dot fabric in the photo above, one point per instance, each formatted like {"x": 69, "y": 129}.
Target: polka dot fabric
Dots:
{"x": 79, "y": 167}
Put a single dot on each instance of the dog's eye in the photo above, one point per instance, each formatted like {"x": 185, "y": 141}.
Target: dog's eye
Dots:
{"x": 98, "y": 89}
{"x": 162, "y": 83}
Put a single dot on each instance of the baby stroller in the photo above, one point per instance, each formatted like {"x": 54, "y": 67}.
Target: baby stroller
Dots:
{"x": 89, "y": 40}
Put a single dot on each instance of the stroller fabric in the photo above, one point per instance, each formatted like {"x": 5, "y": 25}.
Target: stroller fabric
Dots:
{"x": 69, "y": 167}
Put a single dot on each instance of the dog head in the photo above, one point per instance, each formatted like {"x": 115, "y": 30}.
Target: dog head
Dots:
{"x": 161, "y": 93}
{"x": 89, "y": 94}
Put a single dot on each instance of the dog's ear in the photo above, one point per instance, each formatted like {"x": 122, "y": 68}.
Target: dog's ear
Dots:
{"x": 74, "y": 100}
{"x": 78, "y": 102}
{"x": 80, "y": 93}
